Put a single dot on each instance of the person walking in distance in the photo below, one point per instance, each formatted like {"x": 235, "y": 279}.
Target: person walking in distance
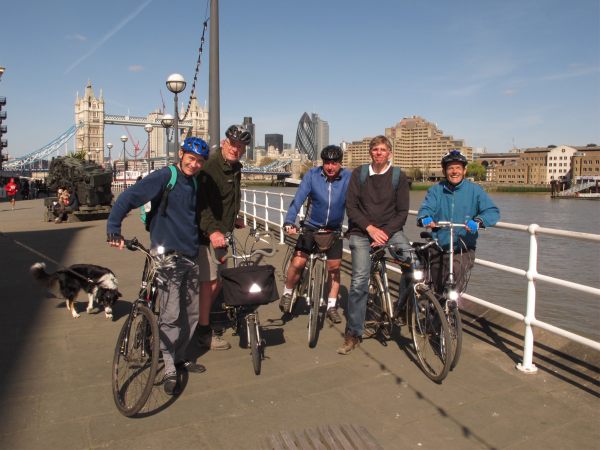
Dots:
{"x": 218, "y": 208}
{"x": 325, "y": 187}
{"x": 174, "y": 227}
{"x": 377, "y": 207}
{"x": 11, "y": 189}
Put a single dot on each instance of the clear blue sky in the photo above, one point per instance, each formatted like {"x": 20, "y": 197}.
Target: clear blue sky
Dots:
{"x": 494, "y": 73}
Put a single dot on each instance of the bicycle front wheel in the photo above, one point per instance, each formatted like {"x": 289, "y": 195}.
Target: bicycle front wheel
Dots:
{"x": 430, "y": 335}
{"x": 315, "y": 289}
{"x": 135, "y": 360}
{"x": 455, "y": 330}
{"x": 375, "y": 313}
{"x": 254, "y": 341}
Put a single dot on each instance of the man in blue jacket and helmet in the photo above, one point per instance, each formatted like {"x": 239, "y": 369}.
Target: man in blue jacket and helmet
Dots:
{"x": 175, "y": 230}
{"x": 326, "y": 187}
{"x": 456, "y": 200}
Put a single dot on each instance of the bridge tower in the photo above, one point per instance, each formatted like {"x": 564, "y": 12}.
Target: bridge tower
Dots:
{"x": 89, "y": 111}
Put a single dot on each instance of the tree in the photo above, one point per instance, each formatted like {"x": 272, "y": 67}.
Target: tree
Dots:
{"x": 476, "y": 171}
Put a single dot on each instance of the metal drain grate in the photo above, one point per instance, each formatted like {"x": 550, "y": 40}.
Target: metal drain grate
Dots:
{"x": 329, "y": 437}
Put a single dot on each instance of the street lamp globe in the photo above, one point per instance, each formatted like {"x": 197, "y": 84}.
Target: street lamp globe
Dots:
{"x": 176, "y": 83}
{"x": 167, "y": 121}
{"x": 123, "y": 139}
{"x": 148, "y": 127}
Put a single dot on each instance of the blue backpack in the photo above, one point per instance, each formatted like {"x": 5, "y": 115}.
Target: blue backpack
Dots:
{"x": 148, "y": 210}
{"x": 364, "y": 173}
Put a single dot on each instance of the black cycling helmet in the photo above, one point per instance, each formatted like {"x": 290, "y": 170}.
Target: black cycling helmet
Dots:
{"x": 195, "y": 145}
{"x": 239, "y": 134}
{"x": 454, "y": 156}
{"x": 332, "y": 153}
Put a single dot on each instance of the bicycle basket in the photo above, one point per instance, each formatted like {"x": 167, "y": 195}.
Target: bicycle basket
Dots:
{"x": 249, "y": 285}
{"x": 324, "y": 240}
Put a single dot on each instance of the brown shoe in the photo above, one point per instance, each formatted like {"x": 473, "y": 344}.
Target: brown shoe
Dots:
{"x": 350, "y": 343}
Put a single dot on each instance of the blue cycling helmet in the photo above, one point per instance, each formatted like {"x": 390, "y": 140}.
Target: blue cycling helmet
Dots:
{"x": 454, "y": 156}
{"x": 195, "y": 145}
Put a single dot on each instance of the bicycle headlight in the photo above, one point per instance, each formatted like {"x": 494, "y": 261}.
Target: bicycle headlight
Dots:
{"x": 418, "y": 275}
{"x": 452, "y": 295}
{"x": 160, "y": 250}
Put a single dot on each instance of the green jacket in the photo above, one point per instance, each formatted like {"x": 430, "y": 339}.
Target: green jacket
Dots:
{"x": 219, "y": 196}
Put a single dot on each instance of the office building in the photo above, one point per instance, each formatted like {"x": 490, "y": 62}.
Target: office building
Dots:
{"x": 275, "y": 141}
{"x": 251, "y": 128}
{"x": 312, "y": 135}
{"x": 419, "y": 144}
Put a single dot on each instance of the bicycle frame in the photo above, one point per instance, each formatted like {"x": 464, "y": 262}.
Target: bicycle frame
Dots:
{"x": 450, "y": 285}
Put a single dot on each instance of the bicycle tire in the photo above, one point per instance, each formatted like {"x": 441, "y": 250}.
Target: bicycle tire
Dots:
{"x": 315, "y": 289}
{"x": 430, "y": 334}
{"x": 375, "y": 307}
{"x": 135, "y": 361}
{"x": 255, "y": 344}
{"x": 455, "y": 330}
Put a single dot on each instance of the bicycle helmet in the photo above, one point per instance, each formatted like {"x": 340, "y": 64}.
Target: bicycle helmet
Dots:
{"x": 195, "y": 145}
{"x": 454, "y": 156}
{"x": 332, "y": 153}
{"x": 238, "y": 133}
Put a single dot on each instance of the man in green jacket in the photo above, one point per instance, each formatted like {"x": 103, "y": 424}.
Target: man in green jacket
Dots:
{"x": 218, "y": 208}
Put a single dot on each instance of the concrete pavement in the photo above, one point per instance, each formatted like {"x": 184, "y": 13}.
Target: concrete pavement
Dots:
{"x": 55, "y": 386}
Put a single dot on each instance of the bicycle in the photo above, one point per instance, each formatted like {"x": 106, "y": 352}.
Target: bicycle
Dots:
{"x": 313, "y": 281}
{"x": 137, "y": 353}
{"x": 421, "y": 310}
{"x": 448, "y": 296}
{"x": 245, "y": 288}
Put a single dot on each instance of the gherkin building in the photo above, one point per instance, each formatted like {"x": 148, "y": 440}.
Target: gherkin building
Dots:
{"x": 305, "y": 137}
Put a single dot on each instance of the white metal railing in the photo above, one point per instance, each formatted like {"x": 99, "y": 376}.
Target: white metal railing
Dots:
{"x": 250, "y": 209}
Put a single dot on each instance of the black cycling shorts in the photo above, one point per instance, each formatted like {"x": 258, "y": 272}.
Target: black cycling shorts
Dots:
{"x": 306, "y": 244}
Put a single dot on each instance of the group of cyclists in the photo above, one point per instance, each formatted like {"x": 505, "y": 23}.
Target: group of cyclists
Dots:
{"x": 202, "y": 206}
{"x": 375, "y": 197}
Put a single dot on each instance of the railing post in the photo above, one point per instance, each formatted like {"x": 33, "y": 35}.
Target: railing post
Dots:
{"x": 281, "y": 218}
{"x": 527, "y": 366}
{"x": 266, "y": 206}
{"x": 245, "y": 208}
{"x": 254, "y": 206}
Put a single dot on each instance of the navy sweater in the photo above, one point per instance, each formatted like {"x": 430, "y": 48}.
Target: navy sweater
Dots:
{"x": 178, "y": 230}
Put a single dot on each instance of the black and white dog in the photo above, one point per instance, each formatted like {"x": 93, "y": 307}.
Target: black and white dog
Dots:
{"x": 98, "y": 282}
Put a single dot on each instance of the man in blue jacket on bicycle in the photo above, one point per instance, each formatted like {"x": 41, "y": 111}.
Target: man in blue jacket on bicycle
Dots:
{"x": 456, "y": 200}
{"x": 325, "y": 187}
{"x": 176, "y": 230}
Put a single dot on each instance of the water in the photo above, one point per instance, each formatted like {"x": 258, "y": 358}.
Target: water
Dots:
{"x": 571, "y": 260}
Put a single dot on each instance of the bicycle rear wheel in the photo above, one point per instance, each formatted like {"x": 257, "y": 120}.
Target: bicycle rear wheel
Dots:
{"x": 430, "y": 335}
{"x": 254, "y": 342}
{"x": 315, "y": 289}
{"x": 135, "y": 360}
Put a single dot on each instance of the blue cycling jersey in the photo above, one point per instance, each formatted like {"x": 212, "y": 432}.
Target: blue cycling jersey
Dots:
{"x": 328, "y": 199}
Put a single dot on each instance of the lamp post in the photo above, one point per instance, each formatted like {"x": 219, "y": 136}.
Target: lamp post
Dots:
{"x": 148, "y": 127}
{"x": 123, "y": 140}
{"x": 110, "y": 146}
{"x": 176, "y": 84}
{"x": 167, "y": 122}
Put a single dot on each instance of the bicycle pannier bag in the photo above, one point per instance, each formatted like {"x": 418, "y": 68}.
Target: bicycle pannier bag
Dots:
{"x": 324, "y": 241}
{"x": 249, "y": 285}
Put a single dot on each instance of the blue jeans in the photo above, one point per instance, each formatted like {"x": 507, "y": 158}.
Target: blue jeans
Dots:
{"x": 360, "y": 247}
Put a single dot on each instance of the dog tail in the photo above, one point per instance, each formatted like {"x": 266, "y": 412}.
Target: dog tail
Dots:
{"x": 38, "y": 271}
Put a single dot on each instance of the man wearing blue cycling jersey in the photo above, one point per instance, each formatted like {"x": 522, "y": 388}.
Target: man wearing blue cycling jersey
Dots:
{"x": 176, "y": 230}
{"x": 326, "y": 187}
{"x": 456, "y": 200}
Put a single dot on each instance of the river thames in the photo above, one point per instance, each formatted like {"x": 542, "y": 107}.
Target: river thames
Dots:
{"x": 568, "y": 259}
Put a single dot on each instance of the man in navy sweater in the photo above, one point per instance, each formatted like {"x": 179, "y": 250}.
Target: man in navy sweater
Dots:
{"x": 177, "y": 232}
{"x": 377, "y": 209}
